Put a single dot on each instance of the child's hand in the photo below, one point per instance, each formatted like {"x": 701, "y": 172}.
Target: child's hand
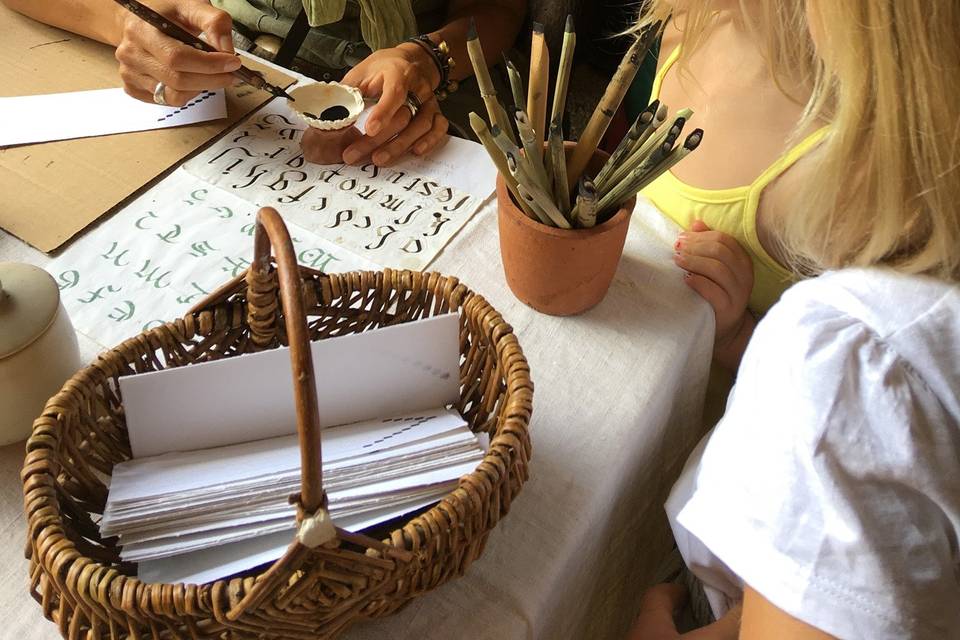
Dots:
{"x": 660, "y": 604}
{"x": 722, "y": 273}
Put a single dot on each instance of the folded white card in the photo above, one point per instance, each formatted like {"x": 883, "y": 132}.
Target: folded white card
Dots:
{"x": 83, "y": 114}
{"x": 389, "y": 371}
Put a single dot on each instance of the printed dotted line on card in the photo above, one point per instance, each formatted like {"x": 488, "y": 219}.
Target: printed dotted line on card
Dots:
{"x": 416, "y": 423}
{"x": 203, "y": 96}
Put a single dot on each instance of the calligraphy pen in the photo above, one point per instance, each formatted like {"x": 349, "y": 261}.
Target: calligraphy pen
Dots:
{"x": 175, "y": 31}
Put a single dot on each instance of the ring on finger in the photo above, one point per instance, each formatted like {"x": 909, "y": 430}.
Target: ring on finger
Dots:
{"x": 413, "y": 103}
{"x": 159, "y": 96}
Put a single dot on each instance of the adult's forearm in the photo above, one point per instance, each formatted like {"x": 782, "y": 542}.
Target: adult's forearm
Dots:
{"x": 498, "y": 24}
{"x": 97, "y": 19}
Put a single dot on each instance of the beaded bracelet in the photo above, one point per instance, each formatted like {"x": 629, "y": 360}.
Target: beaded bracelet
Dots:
{"x": 440, "y": 53}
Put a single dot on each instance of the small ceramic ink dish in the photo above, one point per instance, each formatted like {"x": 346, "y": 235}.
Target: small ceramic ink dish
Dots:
{"x": 331, "y": 109}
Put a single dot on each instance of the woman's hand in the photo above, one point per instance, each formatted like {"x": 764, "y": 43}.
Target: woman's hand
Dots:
{"x": 147, "y": 56}
{"x": 722, "y": 273}
{"x": 391, "y": 131}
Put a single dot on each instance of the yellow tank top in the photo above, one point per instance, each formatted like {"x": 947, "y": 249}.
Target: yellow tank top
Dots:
{"x": 732, "y": 211}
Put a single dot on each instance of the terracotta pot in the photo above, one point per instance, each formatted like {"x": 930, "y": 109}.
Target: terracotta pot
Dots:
{"x": 560, "y": 272}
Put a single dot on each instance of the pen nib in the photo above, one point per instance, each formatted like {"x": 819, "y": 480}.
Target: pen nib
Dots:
{"x": 280, "y": 93}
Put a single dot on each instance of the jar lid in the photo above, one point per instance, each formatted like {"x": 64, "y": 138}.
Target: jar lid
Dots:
{"x": 29, "y": 299}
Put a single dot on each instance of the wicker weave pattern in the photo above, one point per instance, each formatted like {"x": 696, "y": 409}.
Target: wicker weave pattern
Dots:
{"x": 84, "y": 587}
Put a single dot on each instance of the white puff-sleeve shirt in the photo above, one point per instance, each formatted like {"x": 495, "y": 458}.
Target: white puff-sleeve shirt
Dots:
{"x": 832, "y": 484}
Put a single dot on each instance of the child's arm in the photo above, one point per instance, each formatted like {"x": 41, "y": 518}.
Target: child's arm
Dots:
{"x": 660, "y": 604}
{"x": 762, "y": 620}
{"x": 756, "y": 619}
{"x": 721, "y": 271}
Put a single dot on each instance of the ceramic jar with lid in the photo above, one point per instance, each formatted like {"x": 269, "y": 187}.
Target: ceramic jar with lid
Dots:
{"x": 38, "y": 347}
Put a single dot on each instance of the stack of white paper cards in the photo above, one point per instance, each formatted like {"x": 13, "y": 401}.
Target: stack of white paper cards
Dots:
{"x": 177, "y": 503}
{"x": 203, "y": 500}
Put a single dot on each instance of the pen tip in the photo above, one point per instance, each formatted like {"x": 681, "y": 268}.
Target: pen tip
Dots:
{"x": 538, "y": 28}
{"x": 472, "y": 31}
{"x": 569, "y": 27}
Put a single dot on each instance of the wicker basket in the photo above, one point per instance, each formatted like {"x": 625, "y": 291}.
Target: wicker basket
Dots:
{"x": 317, "y": 592}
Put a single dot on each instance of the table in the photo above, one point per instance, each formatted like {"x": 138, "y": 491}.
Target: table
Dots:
{"x": 587, "y": 533}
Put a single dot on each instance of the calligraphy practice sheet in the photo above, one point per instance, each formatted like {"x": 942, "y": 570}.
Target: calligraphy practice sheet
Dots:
{"x": 398, "y": 217}
{"x": 165, "y": 252}
{"x": 83, "y": 114}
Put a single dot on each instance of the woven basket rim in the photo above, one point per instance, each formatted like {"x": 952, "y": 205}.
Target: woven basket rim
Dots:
{"x": 186, "y": 328}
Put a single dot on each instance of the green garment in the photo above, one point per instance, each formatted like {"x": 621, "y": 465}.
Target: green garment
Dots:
{"x": 345, "y": 31}
{"x": 384, "y": 23}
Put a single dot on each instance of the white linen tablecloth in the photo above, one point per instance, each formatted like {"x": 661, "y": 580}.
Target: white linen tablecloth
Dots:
{"x": 617, "y": 405}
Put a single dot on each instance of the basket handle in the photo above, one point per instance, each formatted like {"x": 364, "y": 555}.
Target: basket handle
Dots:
{"x": 272, "y": 231}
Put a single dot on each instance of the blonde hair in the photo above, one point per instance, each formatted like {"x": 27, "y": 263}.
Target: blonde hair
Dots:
{"x": 886, "y": 190}
{"x": 884, "y": 186}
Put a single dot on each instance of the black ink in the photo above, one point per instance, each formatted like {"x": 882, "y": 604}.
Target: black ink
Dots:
{"x": 438, "y": 222}
{"x": 409, "y": 217}
{"x": 383, "y": 236}
{"x": 345, "y": 215}
{"x": 458, "y": 205}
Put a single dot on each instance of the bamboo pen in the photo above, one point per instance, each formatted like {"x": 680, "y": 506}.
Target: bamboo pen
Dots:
{"x": 643, "y": 146}
{"x": 496, "y": 155}
{"x": 587, "y": 201}
{"x": 629, "y": 142}
{"x": 516, "y": 85}
{"x": 609, "y": 103}
{"x": 533, "y": 155}
{"x": 524, "y": 189}
{"x": 563, "y": 73}
{"x": 175, "y": 31}
{"x": 487, "y": 91}
{"x": 537, "y": 86}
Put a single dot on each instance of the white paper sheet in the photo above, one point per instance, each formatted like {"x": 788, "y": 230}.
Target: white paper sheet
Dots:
{"x": 83, "y": 114}
{"x": 209, "y": 564}
{"x": 203, "y": 469}
{"x": 398, "y": 217}
{"x": 389, "y": 371}
{"x": 166, "y": 251}
{"x": 437, "y": 483}
{"x": 462, "y": 164}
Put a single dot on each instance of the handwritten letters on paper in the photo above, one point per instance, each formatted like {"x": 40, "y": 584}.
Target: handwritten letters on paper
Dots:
{"x": 193, "y": 231}
{"x": 164, "y": 253}
{"x": 394, "y": 217}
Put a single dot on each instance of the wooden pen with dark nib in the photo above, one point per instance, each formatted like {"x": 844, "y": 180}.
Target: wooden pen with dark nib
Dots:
{"x": 175, "y": 31}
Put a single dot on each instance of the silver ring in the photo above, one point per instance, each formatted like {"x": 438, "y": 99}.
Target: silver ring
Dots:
{"x": 413, "y": 103}
{"x": 158, "y": 94}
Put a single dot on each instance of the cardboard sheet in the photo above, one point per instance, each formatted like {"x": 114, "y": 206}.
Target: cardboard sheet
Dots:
{"x": 53, "y": 190}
